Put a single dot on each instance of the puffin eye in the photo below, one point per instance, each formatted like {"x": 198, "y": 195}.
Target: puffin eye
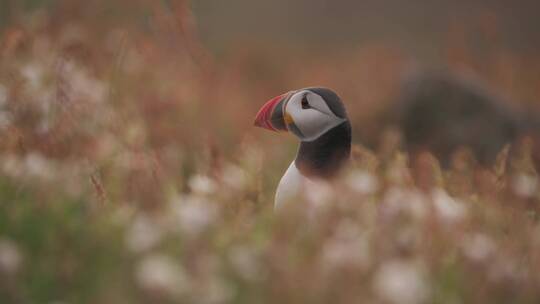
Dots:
{"x": 305, "y": 103}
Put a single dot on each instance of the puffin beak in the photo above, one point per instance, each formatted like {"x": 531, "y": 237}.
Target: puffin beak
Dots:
{"x": 270, "y": 116}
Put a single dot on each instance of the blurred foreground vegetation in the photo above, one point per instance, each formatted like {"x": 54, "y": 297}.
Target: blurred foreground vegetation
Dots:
{"x": 130, "y": 173}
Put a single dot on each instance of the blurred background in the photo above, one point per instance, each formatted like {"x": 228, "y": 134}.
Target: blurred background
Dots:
{"x": 130, "y": 171}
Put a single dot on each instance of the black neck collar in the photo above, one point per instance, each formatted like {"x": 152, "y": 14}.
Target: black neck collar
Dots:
{"x": 324, "y": 156}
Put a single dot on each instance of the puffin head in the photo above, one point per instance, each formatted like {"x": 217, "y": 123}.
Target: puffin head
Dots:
{"x": 307, "y": 113}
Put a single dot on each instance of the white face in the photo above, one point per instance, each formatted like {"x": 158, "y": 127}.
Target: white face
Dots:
{"x": 310, "y": 114}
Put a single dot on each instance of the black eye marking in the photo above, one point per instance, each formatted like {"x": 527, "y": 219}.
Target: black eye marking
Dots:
{"x": 305, "y": 103}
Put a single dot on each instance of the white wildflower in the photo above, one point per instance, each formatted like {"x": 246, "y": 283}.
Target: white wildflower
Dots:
{"x": 193, "y": 215}
{"x": 10, "y": 258}
{"x": 89, "y": 88}
{"x": 245, "y": 262}
{"x": 33, "y": 74}
{"x": 448, "y": 209}
{"x": 83, "y": 86}
{"x": 202, "y": 184}
{"x": 162, "y": 274}
{"x": 38, "y": 166}
{"x": 234, "y": 177}
{"x": 402, "y": 282}
{"x": 362, "y": 182}
{"x": 348, "y": 247}
{"x": 318, "y": 194}
{"x": 525, "y": 185}
{"x": 32, "y": 165}
{"x": 478, "y": 247}
{"x": 398, "y": 200}
{"x": 143, "y": 234}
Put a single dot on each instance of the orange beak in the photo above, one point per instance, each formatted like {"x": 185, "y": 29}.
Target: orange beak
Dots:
{"x": 270, "y": 116}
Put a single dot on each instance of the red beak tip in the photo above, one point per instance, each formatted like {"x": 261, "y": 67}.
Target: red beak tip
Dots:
{"x": 262, "y": 118}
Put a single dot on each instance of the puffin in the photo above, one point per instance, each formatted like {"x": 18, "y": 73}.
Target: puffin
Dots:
{"x": 317, "y": 117}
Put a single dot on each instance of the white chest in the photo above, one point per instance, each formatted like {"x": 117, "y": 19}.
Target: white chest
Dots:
{"x": 294, "y": 186}
{"x": 290, "y": 187}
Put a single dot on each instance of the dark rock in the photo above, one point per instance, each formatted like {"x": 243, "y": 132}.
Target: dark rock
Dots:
{"x": 440, "y": 113}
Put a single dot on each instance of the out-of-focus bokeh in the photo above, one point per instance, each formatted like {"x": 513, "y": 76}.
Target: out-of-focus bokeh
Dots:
{"x": 130, "y": 170}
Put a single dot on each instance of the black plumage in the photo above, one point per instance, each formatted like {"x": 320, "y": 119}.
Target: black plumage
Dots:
{"x": 332, "y": 100}
{"x": 326, "y": 155}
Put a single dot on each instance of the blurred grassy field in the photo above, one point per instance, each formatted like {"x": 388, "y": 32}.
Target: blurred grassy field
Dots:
{"x": 130, "y": 171}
